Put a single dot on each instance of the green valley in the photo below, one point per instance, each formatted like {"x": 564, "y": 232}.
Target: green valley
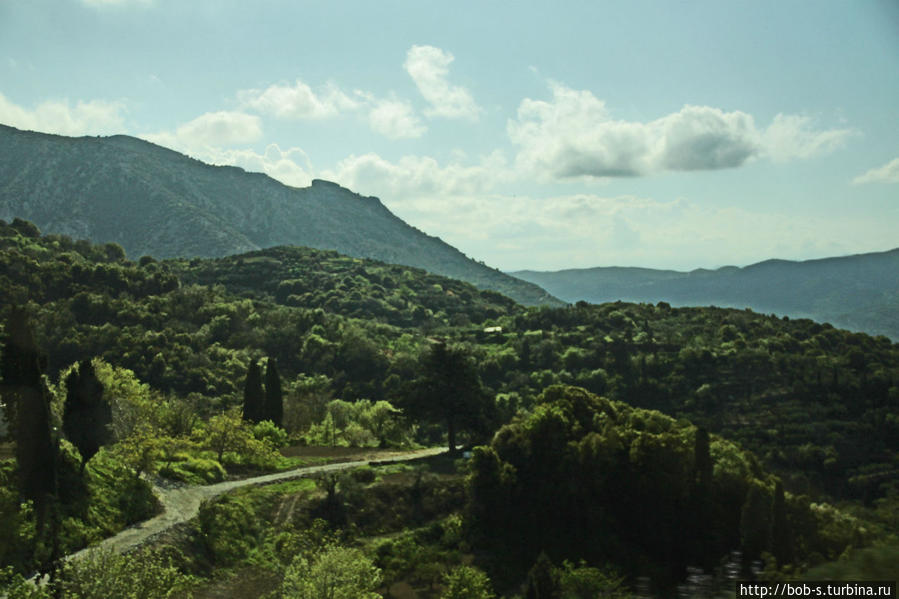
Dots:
{"x": 619, "y": 449}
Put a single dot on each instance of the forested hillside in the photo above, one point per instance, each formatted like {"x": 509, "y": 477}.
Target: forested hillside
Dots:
{"x": 155, "y": 201}
{"x": 859, "y": 293}
{"x": 600, "y": 424}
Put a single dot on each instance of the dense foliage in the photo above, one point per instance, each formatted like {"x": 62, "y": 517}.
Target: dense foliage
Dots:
{"x": 609, "y": 483}
{"x": 728, "y": 422}
{"x": 309, "y": 278}
{"x": 816, "y": 404}
{"x": 856, "y": 292}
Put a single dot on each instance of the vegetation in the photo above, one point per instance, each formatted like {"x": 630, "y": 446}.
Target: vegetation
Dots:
{"x": 614, "y": 484}
{"x": 601, "y": 432}
{"x": 855, "y": 292}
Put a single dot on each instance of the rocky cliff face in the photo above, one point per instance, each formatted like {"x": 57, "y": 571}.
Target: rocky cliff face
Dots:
{"x": 154, "y": 201}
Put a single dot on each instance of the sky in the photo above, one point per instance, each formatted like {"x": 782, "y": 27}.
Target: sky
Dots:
{"x": 530, "y": 135}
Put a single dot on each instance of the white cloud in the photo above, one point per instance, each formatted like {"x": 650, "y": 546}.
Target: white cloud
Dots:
{"x": 391, "y": 117}
{"x": 429, "y": 66}
{"x": 888, "y": 173}
{"x": 291, "y": 166}
{"x": 573, "y": 135}
{"x": 213, "y": 129}
{"x": 395, "y": 119}
{"x": 791, "y": 136}
{"x": 206, "y": 138}
{"x": 298, "y": 101}
{"x": 702, "y": 138}
{"x": 58, "y": 116}
{"x": 417, "y": 180}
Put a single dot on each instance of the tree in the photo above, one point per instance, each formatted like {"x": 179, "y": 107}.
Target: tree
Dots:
{"x": 449, "y": 390}
{"x": 334, "y": 573}
{"x": 543, "y": 580}
{"x": 253, "y": 395}
{"x": 102, "y": 574}
{"x": 87, "y": 417}
{"x": 226, "y": 432}
{"x": 273, "y": 408}
{"x": 780, "y": 532}
{"x": 702, "y": 462}
{"x": 701, "y": 494}
{"x": 584, "y": 582}
{"x": 381, "y": 419}
{"x": 755, "y": 523}
{"x": 28, "y": 403}
{"x": 140, "y": 450}
{"x": 466, "y": 582}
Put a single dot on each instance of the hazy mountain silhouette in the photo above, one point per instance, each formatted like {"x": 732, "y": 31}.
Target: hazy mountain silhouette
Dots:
{"x": 155, "y": 201}
{"x": 859, "y": 292}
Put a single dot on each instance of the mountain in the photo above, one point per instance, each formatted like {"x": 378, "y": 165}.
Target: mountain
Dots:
{"x": 859, "y": 292}
{"x": 155, "y": 201}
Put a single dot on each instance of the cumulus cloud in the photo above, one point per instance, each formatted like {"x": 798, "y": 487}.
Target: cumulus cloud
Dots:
{"x": 213, "y": 129}
{"x": 391, "y": 117}
{"x": 418, "y": 180}
{"x": 206, "y": 138}
{"x": 60, "y": 117}
{"x": 429, "y": 66}
{"x": 888, "y": 173}
{"x": 298, "y": 101}
{"x": 702, "y": 138}
{"x": 291, "y": 166}
{"x": 395, "y": 119}
{"x": 573, "y": 135}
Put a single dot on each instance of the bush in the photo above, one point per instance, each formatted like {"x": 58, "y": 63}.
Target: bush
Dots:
{"x": 267, "y": 432}
{"x": 467, "y": 582}
{"x": 228, "y": 529}
{"x": 103, "y": 574}
{"x": 193, "y": 470}
{"x": 337, "y": 572}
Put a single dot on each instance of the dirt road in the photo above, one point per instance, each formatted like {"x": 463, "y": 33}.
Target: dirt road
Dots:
{"x": 180, "y": 503}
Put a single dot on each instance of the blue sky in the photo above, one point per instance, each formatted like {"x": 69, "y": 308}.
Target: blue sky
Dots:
{"x": 542, "y": 135}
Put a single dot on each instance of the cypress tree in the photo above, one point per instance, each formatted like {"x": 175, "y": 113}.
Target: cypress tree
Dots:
{"x": 702, "y": 462}
{"x": 755, "y": 522}
{"x": 700, "y": 546}
{"x": 86, "y": 416}
{"x": 253, "y": 396}
{"x": 28, "y": 402}
{"x": 780, "y": 531}
{"x": 274, "y": 399}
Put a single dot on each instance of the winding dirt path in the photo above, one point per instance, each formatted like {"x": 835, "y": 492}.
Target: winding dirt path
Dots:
{"x": 181, "y": 503}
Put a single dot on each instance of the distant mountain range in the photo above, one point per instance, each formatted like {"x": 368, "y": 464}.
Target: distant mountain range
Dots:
{"x": 155, "y": 201}
{"x": 859, "y": 292}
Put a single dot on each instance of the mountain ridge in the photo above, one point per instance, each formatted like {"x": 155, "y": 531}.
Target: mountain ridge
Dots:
{"x": 155, "y": 201}
{"x": 858, "y": 292}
